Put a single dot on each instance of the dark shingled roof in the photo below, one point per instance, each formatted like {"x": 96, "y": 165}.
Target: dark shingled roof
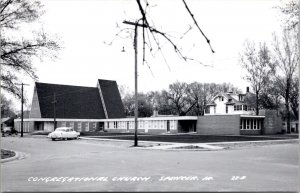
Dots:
{"x": 73, "y": 102}
{"x": 112, "y": 98}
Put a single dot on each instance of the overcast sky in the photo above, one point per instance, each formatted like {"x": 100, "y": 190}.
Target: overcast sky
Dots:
{"x": 84, "y": 25}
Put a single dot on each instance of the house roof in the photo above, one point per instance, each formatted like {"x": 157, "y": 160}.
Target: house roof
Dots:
{"x": 231, "y": 100}
{"x": 211, "y": 104}
{"x": 72, "y": 101}
{"x": 112, "y": 98}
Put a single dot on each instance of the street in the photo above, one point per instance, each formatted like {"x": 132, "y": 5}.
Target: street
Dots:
{"x": 119, "y": 167}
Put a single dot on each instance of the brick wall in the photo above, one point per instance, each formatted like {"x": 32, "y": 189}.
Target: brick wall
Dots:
{"x": 251, "y": 132}
{"x": 272, "y": 122}
{"x": 219, "y": 125}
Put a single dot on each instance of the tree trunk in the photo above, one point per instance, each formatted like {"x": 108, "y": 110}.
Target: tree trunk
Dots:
{"x": 287, "y": 106}
{"x": 256, "y": 103}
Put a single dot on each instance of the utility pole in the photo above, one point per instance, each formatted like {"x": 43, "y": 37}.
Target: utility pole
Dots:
{"x": 22, "y": 104}
{"x": 135, "y": 44}
{"x": 135, "y": 86}
{"x": 54, "y": 110}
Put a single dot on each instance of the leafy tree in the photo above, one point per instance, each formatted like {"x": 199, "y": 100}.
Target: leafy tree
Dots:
{"x": 286, "y": 56}
{"x": 145, "y": 108}
{"x": 290, "y": 11}
{"x": 257, "y": 63}
{"x": 294, "y": 96}
{"x": 7, "y": 109}
{"x": 17, "y": 50}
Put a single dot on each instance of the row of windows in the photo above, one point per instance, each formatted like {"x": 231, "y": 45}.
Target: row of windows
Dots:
{"x": 240, "y": 107}
{"x": 80, "y": 125}
{"x": 141, "y": 124}
{"x": 250, "y": 124}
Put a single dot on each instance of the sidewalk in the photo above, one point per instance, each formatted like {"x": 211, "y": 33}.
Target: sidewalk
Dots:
{"x": 155, "y": 145}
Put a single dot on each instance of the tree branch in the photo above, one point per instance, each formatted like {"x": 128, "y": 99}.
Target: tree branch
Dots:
{"x": 196, "y": 23}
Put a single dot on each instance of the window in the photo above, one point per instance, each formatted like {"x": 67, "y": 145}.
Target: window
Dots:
{"x": 226, "y": 109}
{"x": 214, "y": 109}
{"x": 248, "y": 124}
{"x": 234, "y": 107}
{"x": 63, "y": 124}
{"x": 94, "y": 125}
{"x": 241, "y": 98}
{"x": 79, "y": 126}
{"x": 245, "y": 107}
{"x": 255, "y": 124}
{"x": 115, "y": 124}
{"x": 87, "y": 126}
{"x": 221, "y": 98}
{"x": 207, "y": 110}
{"x": 72, "y": 124}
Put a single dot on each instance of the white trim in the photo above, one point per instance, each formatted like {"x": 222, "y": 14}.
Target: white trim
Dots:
{"x": 102, "y": 100}
{"x": 109, "y": 120}
{"x": 252, "y": 116}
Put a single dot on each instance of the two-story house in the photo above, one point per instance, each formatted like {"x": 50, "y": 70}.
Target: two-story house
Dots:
{"x": 229, "y": 103}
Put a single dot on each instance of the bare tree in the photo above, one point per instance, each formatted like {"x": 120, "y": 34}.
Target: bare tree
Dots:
{"x": 17, "y": 51}
{"x": 286, "y": 56}
{"x": 257, "y": 63}
{"x": 180, "y": 98}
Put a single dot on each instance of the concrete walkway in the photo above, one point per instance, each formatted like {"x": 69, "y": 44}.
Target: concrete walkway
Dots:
{"x": 155, "y": 145}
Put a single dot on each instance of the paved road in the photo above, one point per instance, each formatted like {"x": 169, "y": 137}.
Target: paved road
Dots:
{"x": 266, "y": 168}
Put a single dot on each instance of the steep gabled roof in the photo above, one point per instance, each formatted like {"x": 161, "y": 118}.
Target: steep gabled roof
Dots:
{"x": 112, "y": 99}
{"x": 74, "y": 102}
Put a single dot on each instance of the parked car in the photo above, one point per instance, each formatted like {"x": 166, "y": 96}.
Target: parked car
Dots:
{"x": 64, "y": 133}
{"x": 9, "y": 131}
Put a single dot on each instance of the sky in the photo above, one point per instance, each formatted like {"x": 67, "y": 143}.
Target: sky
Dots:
{"x": 86, "y": 28}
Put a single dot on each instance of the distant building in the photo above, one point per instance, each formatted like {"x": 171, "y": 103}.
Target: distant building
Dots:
{"x": 229, "y": 113}
{"x": 229, "y": 103}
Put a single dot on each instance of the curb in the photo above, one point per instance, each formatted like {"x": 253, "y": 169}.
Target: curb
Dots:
{"x": 214, "y": 146}
{"x": 165, "y": 146}
{"x": 120, "y": 140}
{"x": 283, "y": 141}
{"x": 11, "y": 158}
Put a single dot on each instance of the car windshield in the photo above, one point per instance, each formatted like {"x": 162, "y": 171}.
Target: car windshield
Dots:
{"x": 62, "y": 129}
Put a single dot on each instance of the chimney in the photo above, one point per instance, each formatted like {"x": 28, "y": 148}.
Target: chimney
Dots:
{"x": 155, "y": 113}
{"x": 247, "y": 89}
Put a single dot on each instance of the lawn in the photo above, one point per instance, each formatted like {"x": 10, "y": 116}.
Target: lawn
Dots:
{"x": 195, "y": 138}
{"x": 7, "y": 154}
